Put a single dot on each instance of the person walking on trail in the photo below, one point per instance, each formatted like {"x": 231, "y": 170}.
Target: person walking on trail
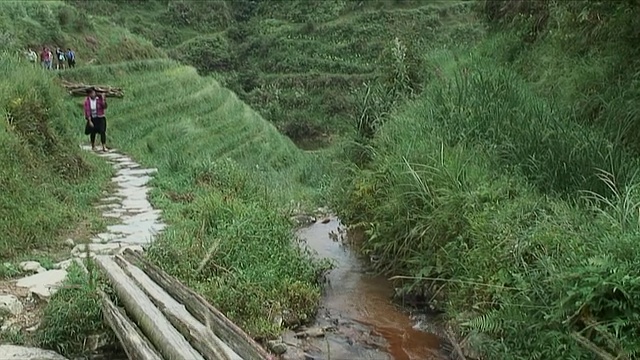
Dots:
{"x": 94, "y": 107}
{"x": 71, "y": 58}
{"x": 61, "y": 59}
{"x": 32, "y": 56}
{"x": 46, "y": 58}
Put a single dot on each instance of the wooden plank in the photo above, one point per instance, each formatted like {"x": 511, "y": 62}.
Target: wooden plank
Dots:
{"x": 200, "y": 336}
{"x": 169, "y": 342}
{"x": 133, "y": 342}
{"x": 226, "y": 330}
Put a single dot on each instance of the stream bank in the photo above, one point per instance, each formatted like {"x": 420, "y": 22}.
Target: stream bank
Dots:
{"x": 357, "y": 318}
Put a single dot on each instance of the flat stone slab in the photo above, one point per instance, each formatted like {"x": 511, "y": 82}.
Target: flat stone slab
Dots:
{"x": 11, "y": 304}
{"x": 137, "y": 221}
{"x": 13, "y": 352}
{"x": 45, "y": 283}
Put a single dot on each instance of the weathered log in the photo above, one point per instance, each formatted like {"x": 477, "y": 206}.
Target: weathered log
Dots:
{"x": 200, "y": 336}
{"x": 168, "y": 341}
{"x": 133, "y": 342}
{"x": 226, "y": 330}
{"x": 76, "y": 89}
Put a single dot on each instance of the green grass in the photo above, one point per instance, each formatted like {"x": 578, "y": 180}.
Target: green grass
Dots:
{"x": 498, "y": 167}
{"x": 48, "y": 182}
{"x": 48, "y": 188}
{"x": 501, "y": 198}
{"x": 35, "y": 24}
{"x": 301, "y": 65}
{"x": 226, "y": 179}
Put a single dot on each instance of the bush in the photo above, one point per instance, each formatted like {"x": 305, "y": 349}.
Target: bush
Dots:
{"x": 72, "y": 316}
{"x": 208, "y": 53}
{"x": 466, "y": 179}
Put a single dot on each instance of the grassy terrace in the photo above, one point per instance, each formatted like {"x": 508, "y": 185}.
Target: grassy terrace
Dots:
{"x": 226, "y": 180}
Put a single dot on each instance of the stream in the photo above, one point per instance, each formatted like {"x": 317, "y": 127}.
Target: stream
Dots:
{"x": 357, "y": 307}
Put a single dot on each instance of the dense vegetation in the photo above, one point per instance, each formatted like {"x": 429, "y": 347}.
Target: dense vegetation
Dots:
{"x": 487, "y": 148}
{"x": 510, "y": 185}
{"x": 303, "y": 66}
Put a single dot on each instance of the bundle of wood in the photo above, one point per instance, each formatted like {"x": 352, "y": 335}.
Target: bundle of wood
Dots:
{"x": 78, "y": 89}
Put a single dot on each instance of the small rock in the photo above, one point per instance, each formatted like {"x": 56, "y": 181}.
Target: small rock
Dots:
{"x": 326, "y": 220}
{"x": 64, "y": 265}
{"x": 294, "y": 354}
{"x": 103, "y": 249}
{"x": 43, "y": 284}
{"x": 12, "y": 352}
{"x": 6, "y": 325}
{"x": 278, "y": 320}
{"x": 30, "y": 266}
{"x": 70, "y": 243}
{"x": 10, "y": 304}
{"x": 97, "y": 341}
{"x": 134, "y": 248}
{"x": 312, "y": 332}
{"x": 84, "y": 255}
{"x": 277, "y": 347}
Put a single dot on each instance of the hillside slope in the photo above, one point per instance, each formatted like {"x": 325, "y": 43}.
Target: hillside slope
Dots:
{"x": 305, "y": 66}
{"x": 227, "y": 178}
{"x": 40, "y": 152}
{"x": 507, "y": 192}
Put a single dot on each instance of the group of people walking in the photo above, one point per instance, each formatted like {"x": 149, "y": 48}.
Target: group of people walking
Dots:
{"x": 94, "y": 104}
{"x": 49, "y": 60}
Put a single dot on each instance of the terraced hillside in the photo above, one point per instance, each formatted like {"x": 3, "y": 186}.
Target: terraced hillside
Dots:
{"x": 224, "y": 173}
{"x": 304, "y": 66}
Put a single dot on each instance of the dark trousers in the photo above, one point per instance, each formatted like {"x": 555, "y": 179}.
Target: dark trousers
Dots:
{"x": 99, "y": 128}
{"x": 103, "y": 138}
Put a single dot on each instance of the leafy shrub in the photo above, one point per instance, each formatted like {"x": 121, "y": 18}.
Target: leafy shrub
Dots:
{"x": 208, "y": 53}
{"x": 72, "y": 316}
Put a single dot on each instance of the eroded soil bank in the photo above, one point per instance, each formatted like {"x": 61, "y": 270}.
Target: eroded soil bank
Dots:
{"x": 357, "y": 318}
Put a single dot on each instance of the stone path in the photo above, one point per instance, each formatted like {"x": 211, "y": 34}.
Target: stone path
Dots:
{"x": 137, "y": 223}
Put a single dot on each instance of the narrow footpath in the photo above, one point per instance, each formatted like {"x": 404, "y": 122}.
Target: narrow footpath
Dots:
{"x": 135, "y": 224}
{"x": 138, "y": 222}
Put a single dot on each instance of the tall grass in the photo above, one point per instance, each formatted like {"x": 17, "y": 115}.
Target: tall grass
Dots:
{"x": 226, "y": 179}
{"x": 297, "y": 63}
{"x": 48, "y": 183}
{"x": 478, "y": 188}
{"x": 35, "y": 24}
{"x": 48, "y": 188}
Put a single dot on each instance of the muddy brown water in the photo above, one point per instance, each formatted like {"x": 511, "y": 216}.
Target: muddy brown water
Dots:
{"x": 358, "y": 307}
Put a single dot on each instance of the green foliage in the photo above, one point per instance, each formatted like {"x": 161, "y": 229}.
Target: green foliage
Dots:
{"x": 208, "y": 53}
{"x": 225, "y": 180}
{"x": 35, "y": 24}
{"x": 72, "y": 315}
{"x": 300, "y": 64}
{"x": 40, "y": 152}
{"x": 521, "y": 209}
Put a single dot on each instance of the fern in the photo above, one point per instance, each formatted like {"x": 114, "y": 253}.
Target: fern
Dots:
{"x": 489, "y": 323}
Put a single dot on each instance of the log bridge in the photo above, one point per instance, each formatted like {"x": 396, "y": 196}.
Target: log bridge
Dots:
{"x": 164, "y": 319}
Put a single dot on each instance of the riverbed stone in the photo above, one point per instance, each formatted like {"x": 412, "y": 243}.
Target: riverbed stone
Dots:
{"x": 64, "y": 265}
{"x": 10, "y": 304}
{"x": 277, "y": 346}
{"x": 31, "y": 266}
{"x": 102, "y": 249}
{"x": 13, "y": 352}
{"x": 43, "y": 284}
